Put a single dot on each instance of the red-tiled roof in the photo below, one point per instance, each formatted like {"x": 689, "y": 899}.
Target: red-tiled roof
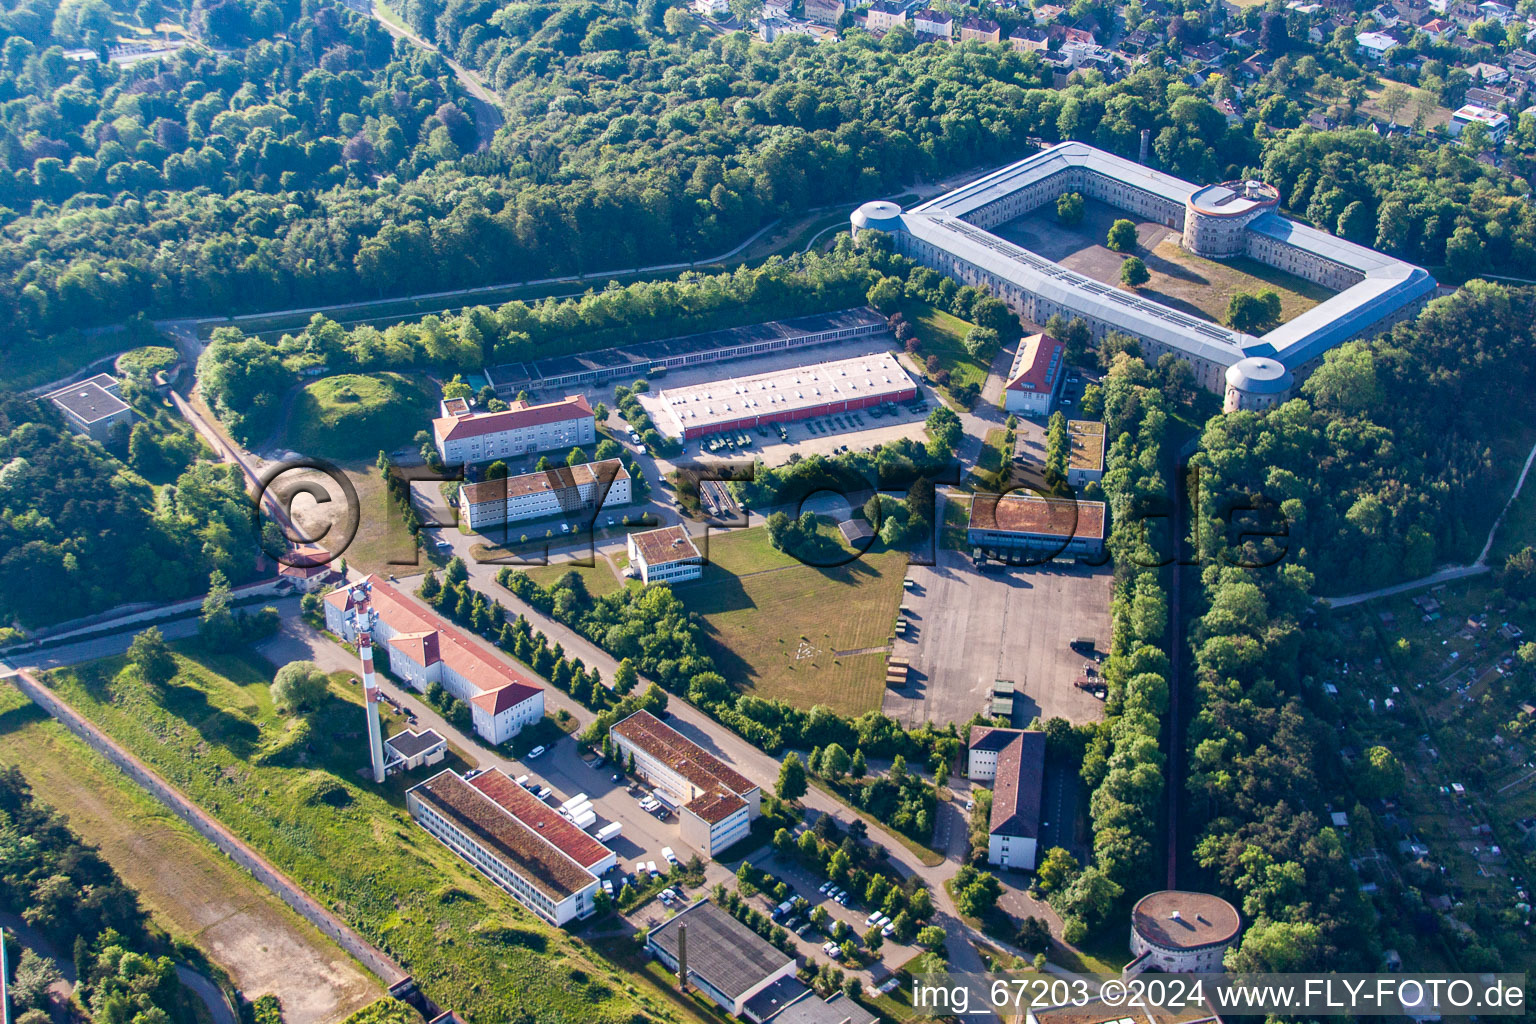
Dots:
{"x": 1017, "y": 790}
{"x": 1037, "y": 365}
{"x": 510, "y": 696}
{"x": 542, "y": 818}
{"x": 722, "y": 785}
{"x": 419, "y": 647}
{"x": 558, "y": 479}
{"x": 1038, "y": 516}
{"x": 520, "y": 847}
{"x": 519, "y": 416}
{"x": 483, "y": 670}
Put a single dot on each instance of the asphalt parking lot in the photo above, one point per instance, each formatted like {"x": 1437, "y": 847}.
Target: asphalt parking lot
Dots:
{"x": 968, "y": 628}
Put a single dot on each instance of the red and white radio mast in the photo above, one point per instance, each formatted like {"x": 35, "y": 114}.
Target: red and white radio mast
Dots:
{"x": 363, "y": 620}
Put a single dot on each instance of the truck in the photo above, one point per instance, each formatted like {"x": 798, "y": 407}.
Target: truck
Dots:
{"x": 575, "y": 812}
{"x": 522, "y": 780}
{"x": 579, "y": 798}
{"x": 586, "y": 819}
{"x": 1082, "y": 643}
{"x": 609, "y": 831}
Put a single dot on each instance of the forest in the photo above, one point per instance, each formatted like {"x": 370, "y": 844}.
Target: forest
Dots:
{"x": 96, "y": 534}
{"x": 327, "y": 166}
{"x": 61, "y": 886}
{"x": 1381, "y": 469}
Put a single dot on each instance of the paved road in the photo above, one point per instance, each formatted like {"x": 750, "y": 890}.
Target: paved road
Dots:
{"x": 117, "y": 641}
{"x": 487, "y": 105}
{"x": 746, "y": 758}
{"x": 211, "y": 995}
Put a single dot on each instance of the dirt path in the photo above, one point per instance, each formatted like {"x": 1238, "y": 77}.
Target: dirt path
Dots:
{"x": 189, "y": 888}
{"x": 250, "y": 944}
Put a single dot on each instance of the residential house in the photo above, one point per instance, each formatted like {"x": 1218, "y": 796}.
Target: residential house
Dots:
{"x": 1488, "y": 74}
{"x": 1208, "y": 54}
{"x": 1439, "y": 30}
{"x": 983, "y": 30}
{"x": 885, "y": 15}
{"x": 938, "y": 24}
{"x": 1375, "y": 45}
{"x": 1047, "y": 13}
{"x": 1028, "y": 40}
{"x": 824, "y": 12}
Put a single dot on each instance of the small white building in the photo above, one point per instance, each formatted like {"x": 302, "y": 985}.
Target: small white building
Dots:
{"x": 715, "y": 803}
{"x": 572, "y": 493}
{"x": 1375, "y": 45}
{"x": 667, "y": 555}
{"x": 424, "y": 649}
{"x": 1495, "y": 121}
{"x": 92, "y": 407}
{"x": 412, "y": 750}
{"x": 1013, "y": 760}
{"x": 1177, "y": 931}
{"x": 472, "y": 437}
{"x": 934, "y": 23}
{"x": 1034, "y": 382}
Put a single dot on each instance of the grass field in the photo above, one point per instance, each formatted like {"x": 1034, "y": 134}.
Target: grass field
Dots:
{"x": 192, "y": 891}
{"x": 957, "y": 514}
{"x": 303, "y": 804}
{"x": 600, "y": 577}
{"x": 804, "y": 634}
{"x": 993, "y": 460}
{"x": 1182, "y": 280}
{"x": 943, "y": 335}
{"x": 355, "y": 415}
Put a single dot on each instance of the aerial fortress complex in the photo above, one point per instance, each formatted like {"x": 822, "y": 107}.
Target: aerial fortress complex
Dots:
{"x": 952, "y": 235}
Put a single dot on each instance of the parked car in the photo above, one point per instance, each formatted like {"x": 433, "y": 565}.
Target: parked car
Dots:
{"x": 869, "y": 922}
{"x": 671, "y": 858}
{"x": 824, "y": 887}
{"x": 535, "y": 752}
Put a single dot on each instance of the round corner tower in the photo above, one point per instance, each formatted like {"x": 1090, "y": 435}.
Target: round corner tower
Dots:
{"x": 1216, "y": 217}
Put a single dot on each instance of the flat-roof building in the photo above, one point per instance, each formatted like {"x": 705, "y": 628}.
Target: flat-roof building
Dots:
{"x": 1034, "y": 381}
{"x": 424, "y": 649}
{"x": 572, "y": 493}
{"x": 953, "y": 234}
{"x": 1013, "y": 760}
{"x": 514, "y": 839}
{"x": 1495, "y": 121}
{"x": 667, "y": 555}
{"x": 1173, "y": 930}
{"x": 523, "y": 428}
{"x": 1014, "y": 527}
{"x": 92, "y": 407}
{"x": 1085, "y": 456}
{"x": 715, "y": 802}
{"x": 411, "y": 749}
{"x": 792, "y": 393}
{"x": 728, "y": 961}
{"x": 645, "y": 358}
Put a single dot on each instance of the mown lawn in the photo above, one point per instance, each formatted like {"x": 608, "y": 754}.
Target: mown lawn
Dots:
{"x": 305, "y": 805}
{"x": 943, "y": 335}
{"x": 800, "y": 633}
{"x": 1204, "y": 287}
{"x": 355, "y": 415}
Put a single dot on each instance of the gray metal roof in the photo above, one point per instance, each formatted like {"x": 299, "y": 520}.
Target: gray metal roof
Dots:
{"x": 721, "y": 950}
{"x": 1052, "y": 281}
{"x": 1047, "y": 163}
{"x": 1389, "y": 283}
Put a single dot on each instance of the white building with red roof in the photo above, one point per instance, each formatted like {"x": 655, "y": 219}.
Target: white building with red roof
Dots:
{"x": 1013, "y": 760}
{"x": 515, "y": 839}
{"x": 1034, "y": 382}
{"x": 715, "y": 803}
{"x": 424, "y": 649}
{"x": 523, "y": 428}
